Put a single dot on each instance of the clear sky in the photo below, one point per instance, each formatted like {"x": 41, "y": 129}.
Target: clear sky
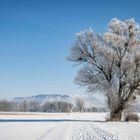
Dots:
{"x": 35, "y": 38}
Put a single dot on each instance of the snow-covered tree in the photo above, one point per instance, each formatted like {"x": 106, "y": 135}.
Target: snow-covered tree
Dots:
{"x": 80, "y": 103}
{"x": 110, "y": 63}
{"x": 5, "y": 105}
{"x": 24, "y": 106}
{"x": 34, "y": 106}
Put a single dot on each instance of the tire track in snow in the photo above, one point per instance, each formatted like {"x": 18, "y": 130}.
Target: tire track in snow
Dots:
{"x": 60, "y": 132}
{"x": 47, "y": 132}
{"x": 77, "y": 131}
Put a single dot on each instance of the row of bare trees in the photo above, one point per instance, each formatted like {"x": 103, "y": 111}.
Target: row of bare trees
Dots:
{"x": 24, "y": 106}
{"x": 55, "y": 106}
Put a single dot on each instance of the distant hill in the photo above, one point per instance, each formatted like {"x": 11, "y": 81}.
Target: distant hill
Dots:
{"x": 44, "y": 98}
{"x": 89, "y": 100}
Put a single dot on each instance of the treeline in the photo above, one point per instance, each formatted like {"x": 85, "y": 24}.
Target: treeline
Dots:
{"x": 55, "y": 106}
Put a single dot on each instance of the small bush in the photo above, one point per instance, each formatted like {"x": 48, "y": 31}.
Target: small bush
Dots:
{"x": 132, "y": 117}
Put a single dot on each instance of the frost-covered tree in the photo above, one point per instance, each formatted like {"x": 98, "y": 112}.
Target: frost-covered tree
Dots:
{"x": 110, "y": 63}
{"x": 24, "y": 106}
{"x": 80, "y": 104}
{"x": 5, "y": 105}
{"x": 34, "y": 106}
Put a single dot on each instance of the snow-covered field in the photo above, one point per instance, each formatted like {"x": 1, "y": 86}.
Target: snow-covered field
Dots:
{"x": 65, "y": 126}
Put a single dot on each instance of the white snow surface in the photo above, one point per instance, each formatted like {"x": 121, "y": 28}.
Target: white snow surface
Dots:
{"x": 65, "y": 126}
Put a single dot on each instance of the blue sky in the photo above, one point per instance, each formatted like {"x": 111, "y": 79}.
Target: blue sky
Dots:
{"x": 35, "y": 38}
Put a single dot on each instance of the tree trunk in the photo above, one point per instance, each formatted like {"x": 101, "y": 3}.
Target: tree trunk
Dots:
{"x": 116, "y": 115}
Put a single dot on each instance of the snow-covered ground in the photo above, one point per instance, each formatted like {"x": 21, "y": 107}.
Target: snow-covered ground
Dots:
{"x": 65, "y": 126}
